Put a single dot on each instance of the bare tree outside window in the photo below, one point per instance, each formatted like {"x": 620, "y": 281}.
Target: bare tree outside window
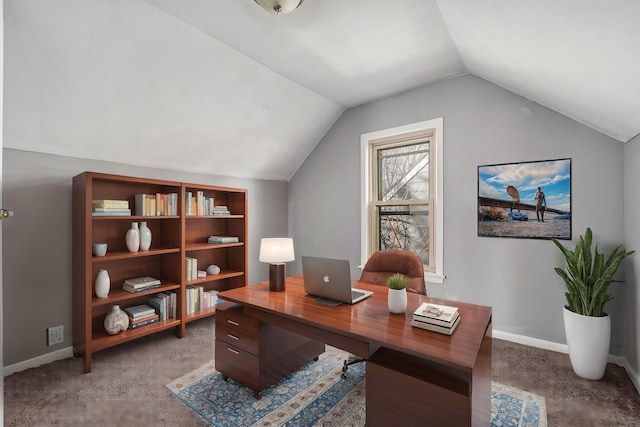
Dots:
{"x": 403, "y": 194}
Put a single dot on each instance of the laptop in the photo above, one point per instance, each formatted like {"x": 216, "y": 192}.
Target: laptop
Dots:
{"x": 330, "y": 281}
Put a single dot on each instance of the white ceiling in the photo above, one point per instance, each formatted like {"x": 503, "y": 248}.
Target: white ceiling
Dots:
{"x": 256, "y": 92}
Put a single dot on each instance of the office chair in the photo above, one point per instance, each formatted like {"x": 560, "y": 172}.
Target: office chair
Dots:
{"x": 384, "y": 264}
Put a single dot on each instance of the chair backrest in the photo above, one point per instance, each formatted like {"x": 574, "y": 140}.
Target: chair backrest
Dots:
{"x": 384, "y": 264}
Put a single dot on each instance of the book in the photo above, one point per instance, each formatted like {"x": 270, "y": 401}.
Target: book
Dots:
{"x": 436, "y": 312}
{"x": 122, "y": 204}
{"x": 438, "y": 322}
{"x": 436, "y": 328}
{"x": 118, "y": 213}
{"x": 139, "y": 282}
{"x": 172, "y": 302}
{"x": 159, "y": 305}
{"x": 142, "y": 289}
{"x": 135, "y": 325}
{"x": 142, "y": 319}
{"x": 138, "y": 311}
{"x": 191, "y": 268}
{"x": 220, "y": 210}
{"x": 166, "y": 300}
{"x": 222, "y": 239}
{"x": 114, "y": 210}
{"x": 187, "y": 202}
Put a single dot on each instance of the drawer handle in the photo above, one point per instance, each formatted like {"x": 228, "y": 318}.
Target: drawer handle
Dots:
{"x": 233, "y": 336}
{"x": 233, "y": 323}
{"x": 233, "y": 351}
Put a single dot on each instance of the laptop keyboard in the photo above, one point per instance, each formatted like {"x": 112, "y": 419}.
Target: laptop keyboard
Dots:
{"x": 356, "y": 294}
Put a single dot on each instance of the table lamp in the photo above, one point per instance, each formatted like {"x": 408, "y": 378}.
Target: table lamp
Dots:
{"x": 276, "y": 251}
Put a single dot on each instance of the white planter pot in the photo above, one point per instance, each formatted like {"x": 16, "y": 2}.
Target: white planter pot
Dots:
{"x": 588, "y": 340}
{"x": 397, "y": 300}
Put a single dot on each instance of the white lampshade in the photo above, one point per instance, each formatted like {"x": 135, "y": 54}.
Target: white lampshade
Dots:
{"x": 276, "y": 250}
{"x": 279, "y": 7}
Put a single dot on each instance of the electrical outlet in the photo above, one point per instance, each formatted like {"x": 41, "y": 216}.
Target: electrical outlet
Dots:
{"x": 55, "y": 335}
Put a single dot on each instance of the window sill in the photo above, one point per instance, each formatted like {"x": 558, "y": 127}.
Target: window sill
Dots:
{"x": 434, "y": 278}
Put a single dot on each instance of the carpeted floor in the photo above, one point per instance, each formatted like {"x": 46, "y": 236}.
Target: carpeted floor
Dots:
{"x": 126, "y": 385}
{"x": 317, "y": 395}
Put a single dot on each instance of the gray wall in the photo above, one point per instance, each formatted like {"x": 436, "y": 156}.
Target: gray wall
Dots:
{"x": 632, "y": 241}
{"x": 483, "y": 124}
{"x": 37, "y": 240}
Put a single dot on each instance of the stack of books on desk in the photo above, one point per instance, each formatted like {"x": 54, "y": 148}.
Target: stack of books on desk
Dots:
{"x": 141, "y": 315}
{"x": 437, "y": 318}
{"x": 140, "y": 284}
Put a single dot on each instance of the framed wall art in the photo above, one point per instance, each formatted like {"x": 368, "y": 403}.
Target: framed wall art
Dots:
{"x": 530, "y": 200}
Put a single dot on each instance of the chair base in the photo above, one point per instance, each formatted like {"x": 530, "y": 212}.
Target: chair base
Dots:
{"x": 349, "y": 362}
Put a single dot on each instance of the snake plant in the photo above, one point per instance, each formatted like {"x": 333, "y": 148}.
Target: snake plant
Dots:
{"x": 588, "y": 277}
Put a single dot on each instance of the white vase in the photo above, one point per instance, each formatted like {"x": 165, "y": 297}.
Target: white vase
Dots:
{"x": 397, "y": 300}
{"x": 133, "y": 238}
{"x": 116, "y": 321}
{"x": 102, "y": 283}
{"x": 588, "y": 340}
{"x": 145, "y": 236}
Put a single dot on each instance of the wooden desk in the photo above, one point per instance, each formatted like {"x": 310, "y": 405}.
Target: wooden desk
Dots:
{"x": 413, "y": 376}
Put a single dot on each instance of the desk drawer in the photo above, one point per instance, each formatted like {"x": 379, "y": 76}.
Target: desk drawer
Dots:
{"x": 237, "y": 364}
{"x": 234, "y": 320}
{"x": 238, "y": 339}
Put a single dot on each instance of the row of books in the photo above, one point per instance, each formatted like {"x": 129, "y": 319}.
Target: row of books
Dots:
{"x": 110, "y": 208}
{"x": 165, "y": 304}
{"x": 199, "y": 299}
{"x": 158, "y": 204}
{"x": 437, "y": 318}
{"x": 191, "y": 268}
{"x": 197, "y": 204}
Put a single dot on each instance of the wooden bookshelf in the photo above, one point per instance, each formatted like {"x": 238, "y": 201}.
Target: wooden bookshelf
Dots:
{"x": 174, "y": 237}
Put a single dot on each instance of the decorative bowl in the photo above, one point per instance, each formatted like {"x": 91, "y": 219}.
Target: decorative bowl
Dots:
{"x": 99, "y": 249}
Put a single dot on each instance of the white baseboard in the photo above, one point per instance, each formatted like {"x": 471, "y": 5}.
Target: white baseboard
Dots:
{"x": 635, "y": 378}
{"x": 533, "y": 342}
{"x": 38, "y": 361}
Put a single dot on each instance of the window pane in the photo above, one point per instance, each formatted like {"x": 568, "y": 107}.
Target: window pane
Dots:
{"x": 403, "y": 172}
{"x": 405, "y": 227}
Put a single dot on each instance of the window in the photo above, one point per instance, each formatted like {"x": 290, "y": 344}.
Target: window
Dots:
{"x": 401, "y": 194}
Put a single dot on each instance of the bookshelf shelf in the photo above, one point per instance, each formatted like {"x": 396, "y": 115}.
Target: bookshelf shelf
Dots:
{"x": 132, "y": 218}
{"x": 101, "y": 340}
{"x": 214, "y": 277}
{"x": 200, "y": 314}
{"x": 116, "y": 296}
{"x": 174, "y": 238}
{"x": 127, "y": 255}
{"x": 209, "y": 246}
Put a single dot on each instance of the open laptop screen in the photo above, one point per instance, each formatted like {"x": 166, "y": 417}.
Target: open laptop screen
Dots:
{"x": 330, "y": 280}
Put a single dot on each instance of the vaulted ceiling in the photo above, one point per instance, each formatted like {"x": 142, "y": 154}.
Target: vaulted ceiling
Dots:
{"x": 224, "y": 87}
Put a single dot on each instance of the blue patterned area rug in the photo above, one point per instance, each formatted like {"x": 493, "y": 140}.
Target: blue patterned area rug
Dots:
{"x": 317, "y": 396}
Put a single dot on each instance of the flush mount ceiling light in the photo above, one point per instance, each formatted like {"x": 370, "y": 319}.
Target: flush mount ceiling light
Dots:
{"x": 279, "y": 7}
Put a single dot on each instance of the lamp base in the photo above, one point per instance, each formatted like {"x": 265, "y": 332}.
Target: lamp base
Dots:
{"x": 276, "y": 277}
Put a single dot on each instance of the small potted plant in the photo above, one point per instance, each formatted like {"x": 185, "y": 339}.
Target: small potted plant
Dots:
{"x": 397, "y": 297}
{"x": 587, "y": 326}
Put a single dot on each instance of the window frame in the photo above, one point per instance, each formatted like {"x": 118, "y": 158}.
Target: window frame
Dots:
{"x": 431, "y": 129}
